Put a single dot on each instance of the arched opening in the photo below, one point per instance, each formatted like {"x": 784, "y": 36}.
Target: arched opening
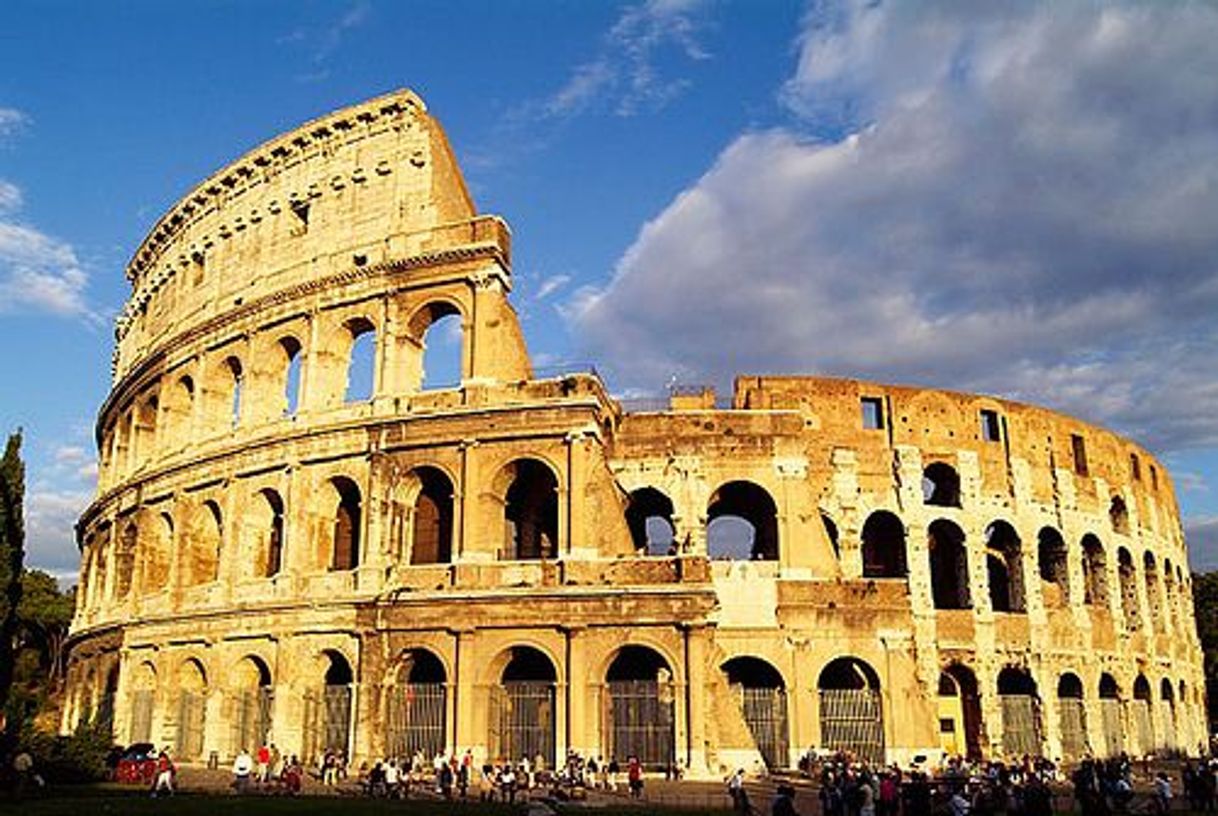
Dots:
{"x": 948, "y": 566}
{"x": 742, "y": 522}
{"x": 1118, "y": 514}
{"x": 642, "y": 708}
{"x": 328, "y": 709}
{"x": 156, "y": 554}
{"x": 192, "y": 710}
{"x": 1072, "y": 716}
{"x": 884, "y": 546}
{"x": 348, "y": 519}
{"x": 203, "y": 566}
{"x": 432, "y": 520}
{"x": 1167, "y": 715}
{"x": 1169, "y": 596}
{"x": 851, "y": 714}
{"x": 1095, "y": 572}
{"x": 1052, "y": 563}
{"x": 531, "y": 511}
{"x": 106, "y": 703}
{"x": 292, "y": 357}
{"x": 178, "y": 406}
{"x": 941, "y": 485}
{"x": 649, "y": 518}
{"x": 1020, "y": 714}
{"x": 832, "y": 534}
{"x": 361, "y": 361}
{"x": 145, "y": 429}
{"x": 1110, "y": 715}
{"x": 253, "y": 695}
{"x": 417, "y": 707}
{"x": 761, "y": 696}
{"x": 268, "y": 557}
{"x": 1004, "y": 566}
{"x": 1130, "y": 607}
{"x": 441, "y": 342}
{"x": 959, "y": 712}
{"x": 522, "y": 708}
{"x": 1150, "y": 572}
{"x": 1140, "y": 715}
{"x": 236, "y": 386}
{"x": 143, "y": 699}
{"x": 124, "y": 560}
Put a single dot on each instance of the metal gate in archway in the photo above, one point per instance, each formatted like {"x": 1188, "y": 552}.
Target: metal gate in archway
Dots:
{"x": 1167, "y": 716}
{"x": 1020, "y": 726}
{"x": 327, "y": 720}
{"x": 1072, "y": 716}
{"x": 251, "y": 718}
{"x": 141, "y": 716}
{"x": 1110, "y": 716}
{"x": 852, "y": 720}
{"x": 416, "y": 717}
{"x": 1141, "y": 723}
{"x": 640, "y": 715}
{"x": 521, "y": 719}
{"x": 765, "y": 713}
{"x": 192, "y": 714}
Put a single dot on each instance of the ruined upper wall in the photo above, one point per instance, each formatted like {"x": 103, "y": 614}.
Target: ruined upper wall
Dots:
{"x": 356, "y": 187}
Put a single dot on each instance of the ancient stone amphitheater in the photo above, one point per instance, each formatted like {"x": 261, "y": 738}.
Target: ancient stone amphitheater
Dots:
{"x": 300, "y": 541}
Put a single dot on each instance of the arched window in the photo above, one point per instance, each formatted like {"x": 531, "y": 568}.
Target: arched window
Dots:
{"x": 884, "y": 546}
{"x": 1119, "y": 515}
{"x": 649, "y": 518}
{"x": 124, "y": 560}
{"x": 1095, "y": 572}
{"x": 432, "y": 521}
{"x": 347, "y": 524}
{"x": 941, "y": 485}
{"x": 761, "y": 695}
{"x": 361, "y": 364}
{"x": 440, "y": 333}
{"x": 156, "y": 554}
{"x": 145, "y": 428}
{"x": 204, "y": 561}
{"x": 1154, "y": 598}
{"x": 1004, "y": 567}
{"x": 178, "y": 407}
{"x": 948, "y": 566}
{"x": 832, "y": 534}
{"x": 1053, "y": 566}
{"x": 235, "y": 385}
{"x": 268, "y": 557}
{"x": 531, "y": 511}
{"x": 742, "y": 522}
{"x": 292, "y": 356}
{"x": 1130, "y": 607}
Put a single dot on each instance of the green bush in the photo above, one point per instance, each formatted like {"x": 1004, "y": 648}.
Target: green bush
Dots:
{"x": 79, "y": 757}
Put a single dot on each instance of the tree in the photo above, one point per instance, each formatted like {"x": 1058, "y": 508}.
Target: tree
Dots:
{"x": 45, "y": 614}
{"x": 12, "y": 555}
{"x": 1205, "y": 604}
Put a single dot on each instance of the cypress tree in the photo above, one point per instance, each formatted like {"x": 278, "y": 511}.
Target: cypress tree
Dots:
{"x": 12, "y": 555}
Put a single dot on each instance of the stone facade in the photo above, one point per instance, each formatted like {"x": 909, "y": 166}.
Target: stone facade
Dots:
{"x": 522, "y": 565}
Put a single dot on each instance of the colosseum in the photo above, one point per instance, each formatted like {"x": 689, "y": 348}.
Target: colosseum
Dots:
{"x": 297, "y": 538}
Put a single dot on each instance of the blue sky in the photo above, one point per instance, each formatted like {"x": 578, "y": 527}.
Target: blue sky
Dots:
{"x": 1014, "y": 198}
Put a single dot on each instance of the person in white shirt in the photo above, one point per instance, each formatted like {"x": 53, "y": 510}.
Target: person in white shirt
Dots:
{"x": 243, "y": 766}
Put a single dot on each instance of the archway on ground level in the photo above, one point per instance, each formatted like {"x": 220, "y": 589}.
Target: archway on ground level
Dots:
{"x": 1072, "y": 716}
{"x": 143, "y": 699}
{"x": 1140, "y": 715}
{"x": 1110, "y": 715}
{"x": 253, "y": 695}
{"x": 192, "y": 710}
{"x": 417, "y": 706}
{"x": 884, "y": 546}
{"x": 1168, "y": 740}
{"x": 432, "y": 520}
{"x": 851, "y": 713}
{"x": 107, "y": 701}
{"x": 649, "y": 517}
{"x": 742, "y": 522}
{"x": 761, "y": 696}
{"x": 1020, "y": 713}
{"x": 641, "y": 707}
{"x": 523, "y": 708}
{"x": 948, "y": 566}
{"x": 959, "y": 712}
{"x": 328, "y": 707}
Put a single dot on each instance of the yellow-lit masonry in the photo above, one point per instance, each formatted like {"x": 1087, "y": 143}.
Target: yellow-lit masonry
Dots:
{"x": 520, "y": 566}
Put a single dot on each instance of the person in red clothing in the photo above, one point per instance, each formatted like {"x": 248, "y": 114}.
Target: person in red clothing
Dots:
{"x": 164, "y": 774}
{"x": 634, "y": 774}
{"x": 264, "y": 764}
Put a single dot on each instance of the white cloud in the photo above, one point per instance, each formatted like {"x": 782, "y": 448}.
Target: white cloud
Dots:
{"x": 11, "y": 121}
{"x": 37, "y": 271}
{"x": 1018, "y": 200}
{"x": 625, "y": 77}
{"x": 50, "y": 517}
{"x": 551, "y": 285}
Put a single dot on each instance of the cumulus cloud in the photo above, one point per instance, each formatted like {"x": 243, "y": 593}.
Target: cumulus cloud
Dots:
{"x": 1011, "y": 198}
{"x": 624, "y": 77}
{"x": 50, "y": 517}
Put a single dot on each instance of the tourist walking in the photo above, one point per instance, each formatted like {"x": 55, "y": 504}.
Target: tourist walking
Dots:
{"x": 634, "y": 777}
{"x": 243, "y": 766}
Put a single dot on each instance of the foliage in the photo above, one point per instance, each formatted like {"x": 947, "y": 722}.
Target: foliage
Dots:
{"x": 12, "y": 556}
{"x": 44, "y": 614}
{"x": 78, "y": 757}
{"x": 1205, "y": 605}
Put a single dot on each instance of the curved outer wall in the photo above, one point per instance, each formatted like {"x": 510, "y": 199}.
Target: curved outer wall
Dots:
{"x": 269, "y": 558}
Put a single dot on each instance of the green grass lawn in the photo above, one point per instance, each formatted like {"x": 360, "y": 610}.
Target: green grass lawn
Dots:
{"x": 108, "y": 801}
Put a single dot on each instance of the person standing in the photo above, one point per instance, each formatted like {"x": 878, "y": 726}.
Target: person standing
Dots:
{"x": 243, "y": 766}
{"x": 163, "y": 781}
{"x": 634, "y": 777}
{"x": 264, "y": 764}
{"x": 735, "y": 789}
